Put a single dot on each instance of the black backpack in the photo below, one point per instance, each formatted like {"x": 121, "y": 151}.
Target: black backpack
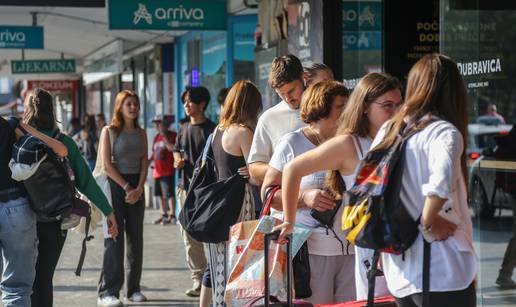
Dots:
{"x": 211, "y": 206}
{"x": 51, "y": 189}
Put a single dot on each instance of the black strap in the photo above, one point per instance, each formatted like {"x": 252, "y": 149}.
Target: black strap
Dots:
{"x": 56, "y": 134}
{"x": 87, "y": 237}
{"x": 426, "y": 274}
{"x": 371, "y": 278}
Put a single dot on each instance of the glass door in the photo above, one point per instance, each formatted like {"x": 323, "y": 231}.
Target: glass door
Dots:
{"x": 482, "y": 40}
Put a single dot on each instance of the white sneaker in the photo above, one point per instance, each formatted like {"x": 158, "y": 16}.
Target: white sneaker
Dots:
{"x": 137, "y": 297}
{"x": 109, "y": 301}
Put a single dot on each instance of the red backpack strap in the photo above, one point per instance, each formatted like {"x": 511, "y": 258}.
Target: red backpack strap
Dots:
{"x": 269, "y": 196}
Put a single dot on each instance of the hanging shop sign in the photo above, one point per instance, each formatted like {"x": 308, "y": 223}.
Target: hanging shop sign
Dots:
{"x": 20, "y": 37}
{"x": 167, "y": 14}
{"x": 54, "y": 85}
{"x": 305, "y": 30}
{"x": 43, "y": 66}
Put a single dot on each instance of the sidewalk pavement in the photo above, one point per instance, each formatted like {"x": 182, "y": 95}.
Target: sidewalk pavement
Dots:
{"x": 165, "y": 276}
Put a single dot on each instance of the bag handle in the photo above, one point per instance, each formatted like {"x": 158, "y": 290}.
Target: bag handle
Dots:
{"x": 269, "y": 196}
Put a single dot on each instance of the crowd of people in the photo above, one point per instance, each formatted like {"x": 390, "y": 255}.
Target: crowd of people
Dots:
{"x": 309, "y": 145}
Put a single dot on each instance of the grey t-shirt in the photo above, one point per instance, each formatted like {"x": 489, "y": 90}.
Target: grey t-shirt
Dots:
{"x": 128, "y": 152}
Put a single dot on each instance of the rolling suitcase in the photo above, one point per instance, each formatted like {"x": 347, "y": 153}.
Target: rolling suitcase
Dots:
{"x": 267, "y": 299}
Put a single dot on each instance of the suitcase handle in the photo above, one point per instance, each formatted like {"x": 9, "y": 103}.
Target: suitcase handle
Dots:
{"x": 267, "y": 240}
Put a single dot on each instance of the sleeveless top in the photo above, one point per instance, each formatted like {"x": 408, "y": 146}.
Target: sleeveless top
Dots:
{"x": 227, "y": 164}
{"x": 362, "y": 146}
{"x": 128, "y": 152}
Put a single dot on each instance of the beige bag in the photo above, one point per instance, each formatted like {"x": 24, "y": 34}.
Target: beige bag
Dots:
{"x": 99, "y": 173}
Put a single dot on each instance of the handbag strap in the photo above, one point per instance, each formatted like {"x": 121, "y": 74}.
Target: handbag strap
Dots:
{"x": 269, "y": 196}
{"x": 87, "y": 237}
{"x": 426, "y": 273}
{"x": 112, "y": 137}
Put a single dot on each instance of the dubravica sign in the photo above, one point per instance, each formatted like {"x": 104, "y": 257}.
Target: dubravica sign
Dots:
{"x": 167, "y": 14}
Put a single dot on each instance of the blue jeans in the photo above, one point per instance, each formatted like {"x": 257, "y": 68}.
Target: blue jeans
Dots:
{"x": 18, "y": 245}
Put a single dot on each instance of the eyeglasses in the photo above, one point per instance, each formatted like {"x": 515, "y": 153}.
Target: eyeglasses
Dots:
{"x": 389, "y": 106}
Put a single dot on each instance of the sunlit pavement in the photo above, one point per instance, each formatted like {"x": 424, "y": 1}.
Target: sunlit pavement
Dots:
{"x": 165, "y": 275}
{"x": 491, "y": 238}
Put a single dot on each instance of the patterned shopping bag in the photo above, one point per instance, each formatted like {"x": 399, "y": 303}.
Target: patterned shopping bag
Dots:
{"x": 246, "y": 258}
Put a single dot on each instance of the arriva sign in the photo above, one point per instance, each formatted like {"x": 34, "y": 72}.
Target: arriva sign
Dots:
{"x": 20, "y": 37}
{"x": 167, "y": 14}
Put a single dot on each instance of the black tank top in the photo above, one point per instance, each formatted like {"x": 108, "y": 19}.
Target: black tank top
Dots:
{"x": 227, "y": 164}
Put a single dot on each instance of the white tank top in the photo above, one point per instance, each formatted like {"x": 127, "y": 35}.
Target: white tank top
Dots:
{"x": 362, "y": 145}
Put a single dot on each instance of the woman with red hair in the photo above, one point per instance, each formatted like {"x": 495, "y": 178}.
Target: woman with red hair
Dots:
{"x": 126, "y": 167}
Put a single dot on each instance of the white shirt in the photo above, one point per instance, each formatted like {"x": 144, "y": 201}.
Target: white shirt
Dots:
{"x": 321, "y": 242}
{"x": 433, "y": 167}
{"x": 272, "y": 125}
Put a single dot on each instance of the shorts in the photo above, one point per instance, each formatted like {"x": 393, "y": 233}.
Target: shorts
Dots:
{"x": 164, "y": 186}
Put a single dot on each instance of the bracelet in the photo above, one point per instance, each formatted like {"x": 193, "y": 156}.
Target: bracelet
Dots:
{"x": 426, "y": 228}
{"x": 126, "y": 185}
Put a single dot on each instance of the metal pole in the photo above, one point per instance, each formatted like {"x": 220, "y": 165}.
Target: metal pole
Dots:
{"x": 34, "y": 18}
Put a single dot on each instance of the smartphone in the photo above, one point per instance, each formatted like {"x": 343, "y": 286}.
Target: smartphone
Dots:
{"x": 449, "y": 213}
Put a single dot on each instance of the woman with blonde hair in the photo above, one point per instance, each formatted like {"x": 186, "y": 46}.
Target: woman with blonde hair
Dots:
{"x": 331, "y": 259}
{"x": 434, "y": 177}
{"x": 126, "y": 167}
{"x": 231, "y": 144}
{"x": 375, "y": 99}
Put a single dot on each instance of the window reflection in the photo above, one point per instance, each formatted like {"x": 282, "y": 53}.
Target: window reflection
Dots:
{"x": 482, "y": 43}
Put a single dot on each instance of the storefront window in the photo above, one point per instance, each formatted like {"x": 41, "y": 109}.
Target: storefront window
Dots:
{"x": 482, "y": 42}
{"x": 140, "y": 84}
{"x": 213, "y": 68}
{"x": 243, "y": 47}
{"x": 361, "y": 39}
{"x": 93, "y": 98}
{"x": 263, "y": 64}
{"x": 109, "y": 91}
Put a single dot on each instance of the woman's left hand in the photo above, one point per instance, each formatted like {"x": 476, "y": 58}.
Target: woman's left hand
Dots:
{"x": 285, "y": 229}
{"x": 112, "y": 225}
{"x": 133, "y": 195}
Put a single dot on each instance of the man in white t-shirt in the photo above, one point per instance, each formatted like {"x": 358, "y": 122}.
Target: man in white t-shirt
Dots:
{"x": 286, "y": 78}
